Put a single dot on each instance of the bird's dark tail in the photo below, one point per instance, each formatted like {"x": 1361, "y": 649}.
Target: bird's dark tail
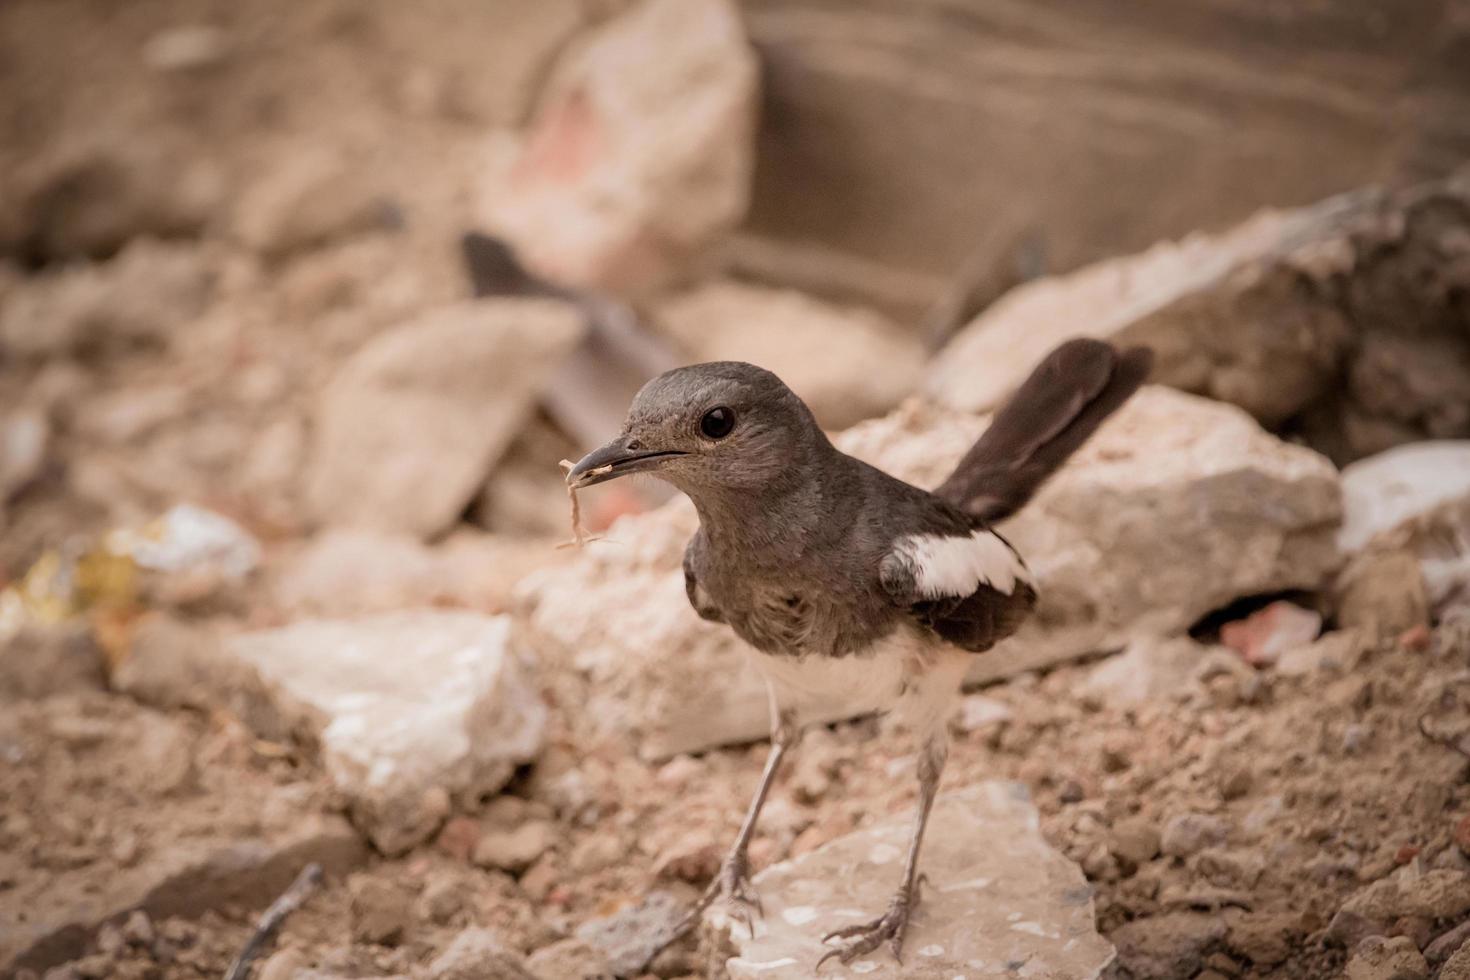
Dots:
{"x": 1071, "y": 392}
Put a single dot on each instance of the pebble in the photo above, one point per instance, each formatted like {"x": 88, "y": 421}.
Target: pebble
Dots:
{"x": 442, "y": 899}
{"x": 1354, "y": 738}
{"x": 1462, "y": 835}
{"x": 597, "y": 852}
{"x": 1381, "y": 958}
{"x": 569, "y": 958}
{"x": 284, "y": 964}
{"x": 138, "y": 929}
{"x": 1135, "y": 841}
{"x": 478, "y": 954}
{"x": 515, "y": 850}
{"x": 458, "y": 837}
{"x": 1188, "y": 833}
{"x": 380, "y": 910}
{"x": 1457, "y": 967}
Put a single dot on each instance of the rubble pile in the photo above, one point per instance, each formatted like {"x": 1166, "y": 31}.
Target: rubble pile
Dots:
{"x": 280, "y": 507}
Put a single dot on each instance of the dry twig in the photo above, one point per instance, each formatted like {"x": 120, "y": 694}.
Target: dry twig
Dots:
{"x": 308, "y": 881}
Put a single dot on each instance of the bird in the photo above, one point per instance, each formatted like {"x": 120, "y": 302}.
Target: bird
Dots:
{"x": 850, "y": 586}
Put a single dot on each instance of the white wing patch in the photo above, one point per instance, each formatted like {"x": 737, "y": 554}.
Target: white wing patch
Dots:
{"x": 954, "y": 566}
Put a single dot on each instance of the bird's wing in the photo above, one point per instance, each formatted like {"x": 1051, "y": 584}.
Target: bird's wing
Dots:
{"x": 971, "y": 589}
{"x": 698, "y": 597}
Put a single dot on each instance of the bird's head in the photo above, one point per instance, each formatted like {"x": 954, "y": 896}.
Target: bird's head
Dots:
{"x": 708, "y": 429}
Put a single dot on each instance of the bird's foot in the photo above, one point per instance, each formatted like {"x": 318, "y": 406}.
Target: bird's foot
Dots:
{"x": 858, "y": 940}
{"x": 732, "y": 886}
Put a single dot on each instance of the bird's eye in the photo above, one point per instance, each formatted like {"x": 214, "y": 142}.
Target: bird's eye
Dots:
{"x": 717, "y": 422}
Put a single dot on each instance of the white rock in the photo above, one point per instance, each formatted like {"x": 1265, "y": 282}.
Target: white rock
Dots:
{"x": 1176, "y": 508}
{"x": 642, "y": 151}
{"x": 411, "y": 710}
{"x": 1149, "y": 670}
{"x": 408, "y": 429}
{"x": 1382, "y": 493}
{"x": 848, "y": 364}
{"x": 987, "y": 907}
{"x": 1415, "y": 498}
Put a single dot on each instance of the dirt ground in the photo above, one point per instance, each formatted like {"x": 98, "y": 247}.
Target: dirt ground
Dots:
{"x": 1303, "y": 789}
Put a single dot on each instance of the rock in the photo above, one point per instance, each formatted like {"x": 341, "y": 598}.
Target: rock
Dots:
{"x": 1383, "y": 493}
{"x": 1149, "y": 670}
{"x": 515, "y": 850}
{"x": 1263, "y": 636}
{"x": 570, "y": 959}
{"x": 1415, "y": 498}
{"x": 410, "y": 710}
{"x": 380, "y": 910}
{"x": 1162, "y": 947}
{"x": 1457, "y": 967}
{"x": 634, "y": 164}
{"x": 190, "y": 539}
{"x": 1437, "y": 894}
{"x": 312, "y": 197}
{"x": 1337, "y": 651}
{"x": 977, "y": 712}
{"x": 188, "y": 47}
{"x": 39, "y": 661}
{"x": 283, "y": 964}
{"x": 411, "y": 424}
{"x": 1229, "y": 317}
{"x": 1186, "y": 833}
{"x": 1176, "y": 508}
{"x": 25, "y": 434}
{"x": 629, "y": 938}
{"x": 443, "y": 898}
{"x": 987, "y": 909}
{"x": 1135, "y": 841}
{"x": 143, "y": 297}
{"x": 1378, "y": 958}
{"x": 1382, "y": 594}
{"x": 848, "y": 364}
{"x": 1264, "y": 938}
{"x": 478, "y": 954}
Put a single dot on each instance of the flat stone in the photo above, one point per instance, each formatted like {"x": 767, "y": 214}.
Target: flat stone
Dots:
{"x": 412, "y": 710}
{"x": 1177, "y": 507}
{"x": 411, "y": 425}
{"x": 999, "y": 902}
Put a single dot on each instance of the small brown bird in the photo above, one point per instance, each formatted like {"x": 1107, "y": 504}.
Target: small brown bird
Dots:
{"x": 851, "y": 585}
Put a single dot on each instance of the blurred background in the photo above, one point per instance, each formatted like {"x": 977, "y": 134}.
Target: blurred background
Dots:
{"x": 301, "y": 304}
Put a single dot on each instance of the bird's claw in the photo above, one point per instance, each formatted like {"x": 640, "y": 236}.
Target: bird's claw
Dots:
{"x": 867, "y": 936}
{"x": 732, "y": 885}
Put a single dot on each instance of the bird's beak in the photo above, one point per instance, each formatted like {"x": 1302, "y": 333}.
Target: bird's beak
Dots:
{"x": 615, "y": 460}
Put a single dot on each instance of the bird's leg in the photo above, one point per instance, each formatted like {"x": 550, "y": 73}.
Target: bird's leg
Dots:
{"x": 732, "y": 883}
{"x": 854, "y": 941}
